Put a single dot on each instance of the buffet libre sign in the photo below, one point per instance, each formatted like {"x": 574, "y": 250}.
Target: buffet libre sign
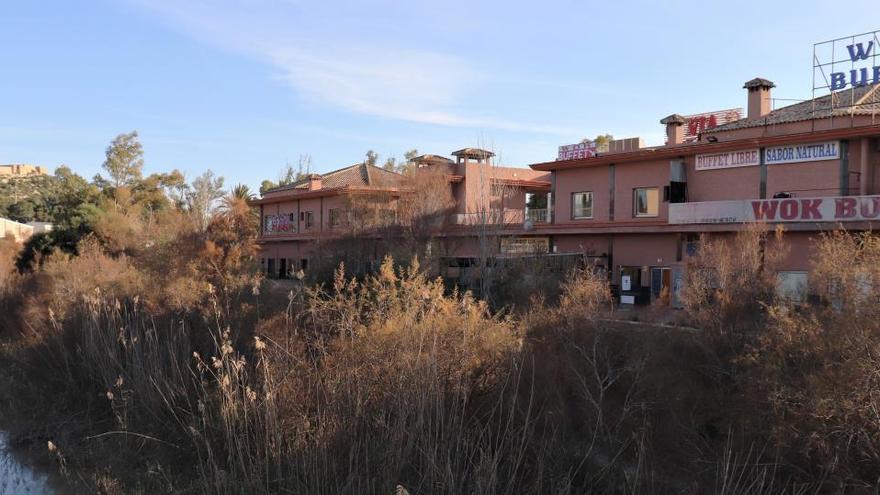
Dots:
{"x": 829, "y": 209}
{"x": 775, "y": 155}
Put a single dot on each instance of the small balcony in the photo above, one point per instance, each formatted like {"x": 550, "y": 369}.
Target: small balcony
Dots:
{"x": 538, "y": 215}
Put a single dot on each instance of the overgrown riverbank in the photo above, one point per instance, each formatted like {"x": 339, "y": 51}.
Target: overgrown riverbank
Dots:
{"x": 162, "y": 362}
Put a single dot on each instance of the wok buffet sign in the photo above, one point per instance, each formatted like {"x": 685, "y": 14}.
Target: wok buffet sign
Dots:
{"x": 828, "y": 209}
{"x": 861, "y": 56}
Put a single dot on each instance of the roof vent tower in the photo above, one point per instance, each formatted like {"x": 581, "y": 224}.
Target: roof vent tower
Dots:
{"x": 674, "y": 129}
{"x": 759, "y": 97}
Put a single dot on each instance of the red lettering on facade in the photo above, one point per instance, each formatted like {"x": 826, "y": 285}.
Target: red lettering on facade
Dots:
{"x": 870, "y": 208}
{"x": 844, "y": 207}
{"x": 810, "y": 209}
{"x": 765, "y": 210}
{"x": 788, "y": 209}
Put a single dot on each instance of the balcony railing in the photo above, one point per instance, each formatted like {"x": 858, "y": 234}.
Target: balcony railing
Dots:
{"x": 535, "y": 215}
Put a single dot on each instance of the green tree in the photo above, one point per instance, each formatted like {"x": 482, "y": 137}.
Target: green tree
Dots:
{"x": 372, "y": 158}
{"x": 160, "y": 191}
{"x": 267, "y": 185}
{"x": 601, "y": 141}
{"x": 408, "y": 167}
{"x": 75, "y": 200}
{"x": 290, "y": 175}
{"x": 124, "y": 160}
{"x": 23, "y": 211}
{"x": 241, "y": 191}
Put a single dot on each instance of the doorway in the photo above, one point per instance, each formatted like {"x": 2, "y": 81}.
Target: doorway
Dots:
{"x": 661, "y": 284}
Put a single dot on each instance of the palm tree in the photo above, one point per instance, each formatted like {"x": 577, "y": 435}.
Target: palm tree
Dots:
{"x": 237, "y": 199}
{"x": 241, "y": 191}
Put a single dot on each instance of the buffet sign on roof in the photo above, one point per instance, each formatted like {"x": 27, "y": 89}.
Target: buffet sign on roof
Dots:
{"x": 576, "y": 151}
{"x": 829, "y": 209}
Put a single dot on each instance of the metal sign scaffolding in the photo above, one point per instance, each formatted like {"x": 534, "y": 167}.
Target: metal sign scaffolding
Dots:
{"x": 836, "y": 55}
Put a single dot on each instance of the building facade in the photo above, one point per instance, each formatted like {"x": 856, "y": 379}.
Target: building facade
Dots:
{"x": 21, "y": 170}
{"x": 303, "y": 222}
{"x": 19, "y": 232}
{"x": 811, "y": 167}
{"x": 636, "y": 211}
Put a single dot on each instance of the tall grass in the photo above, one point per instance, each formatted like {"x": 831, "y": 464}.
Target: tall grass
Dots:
{"x": 390, "y": 380}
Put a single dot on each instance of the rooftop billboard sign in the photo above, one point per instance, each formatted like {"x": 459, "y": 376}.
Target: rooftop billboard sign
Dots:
{"x": 586, "y": 149}
{"x": 701, "y": 122}
{"x": 847, "y": 62}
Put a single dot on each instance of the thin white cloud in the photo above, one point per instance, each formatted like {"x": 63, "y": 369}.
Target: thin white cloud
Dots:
{"x": 384, "y": 81}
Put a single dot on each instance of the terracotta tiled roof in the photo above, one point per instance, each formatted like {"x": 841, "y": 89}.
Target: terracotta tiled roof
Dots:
{"x": 357, "y": 175}
{"x": 473, "y": 152}
{"x": 863, "y": 100}
{"x": 432, "y": 159}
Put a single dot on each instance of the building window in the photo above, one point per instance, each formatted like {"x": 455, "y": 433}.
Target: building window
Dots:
{"x": 334, "y": 217}
{"x": 307, "y": 217}
{"x": 646, "y": 202}
{"x": 582, "y": 205}
{"x": 792, "y": 286}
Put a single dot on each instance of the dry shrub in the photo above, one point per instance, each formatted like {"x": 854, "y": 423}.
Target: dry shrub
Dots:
{"x": 10, "y": 287}
{"x": 846, "y": 274}
{"x": 585, "y": 294}
{"x": 523, "y": 282}
{"x": 817, "y": 368}
{"x": 9, "y": 249}
{"x": 387, "y": 381}
{"x": 729, "y": 282}
{"x": 32, "y": 300}
{"x": 76, "y": 277}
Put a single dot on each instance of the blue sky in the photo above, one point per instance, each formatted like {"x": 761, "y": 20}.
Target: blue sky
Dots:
{"x": 242, "y": 87}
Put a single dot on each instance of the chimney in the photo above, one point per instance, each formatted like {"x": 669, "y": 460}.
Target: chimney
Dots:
{"x": 759, "y": 97}
{"x": 674, "y": 129}
{"x": 314, "y": 182}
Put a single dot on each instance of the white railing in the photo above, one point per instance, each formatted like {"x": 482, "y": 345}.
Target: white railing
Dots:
{"x": 535, "y": 215}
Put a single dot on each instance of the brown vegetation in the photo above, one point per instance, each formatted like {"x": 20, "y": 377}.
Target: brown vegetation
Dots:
{"x": 161, "y": 362}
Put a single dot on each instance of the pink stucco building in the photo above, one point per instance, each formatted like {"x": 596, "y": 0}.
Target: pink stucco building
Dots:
{"x": 812, "y": 167}
{"x": 637, "y": 211}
